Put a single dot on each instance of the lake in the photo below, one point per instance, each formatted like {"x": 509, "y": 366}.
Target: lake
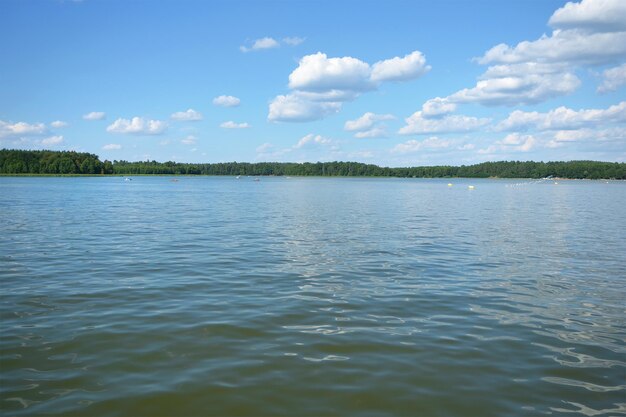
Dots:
{"x": 312, "y": 297}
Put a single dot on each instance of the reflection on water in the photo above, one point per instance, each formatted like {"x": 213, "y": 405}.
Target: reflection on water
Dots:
{"x": 212, "y": 296}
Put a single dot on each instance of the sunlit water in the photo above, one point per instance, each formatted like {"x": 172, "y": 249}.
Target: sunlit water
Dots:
{"x": 312, "y": 297}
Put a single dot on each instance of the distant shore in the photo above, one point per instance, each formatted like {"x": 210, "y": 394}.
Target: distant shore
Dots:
{"x": 69, "y": 163}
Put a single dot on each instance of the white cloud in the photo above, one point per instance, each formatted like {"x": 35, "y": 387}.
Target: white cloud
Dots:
{"x": 572, "y": 46}
{"x": 366, "y": 121}
{"x": 597, "y": 15}
{"x": 368, "y": 125}
{"x": 58, "y": 124}
{"x": 529, "y": 88}
{"x": 52, "y": 140}
{"x": 437, "y": 107}
{"x": 95, "y": 115}
{"x": 258, "y": 44}
{"x": 137, "y": 126}
{"x": 418, "y": 123}
{"x": 523, "y": 142}
{"x": 312, "y": 139}
{"x": 563, "y": 118}
{"x": 296, "y": 108}
{"x": 226, "y": 101}
{"x": 189, "y": 140}
{"x": 562, "y": 137}
{"x": 21, "y": 129}
{"x": 293, "y": 40}
{"x": 321, "y": 84}
{"x": 233, "y": 125}
{"x": 414, "y": 145}
{"x": 613, "y": 78}
{"x": 112, "y": 147}
{"x": 319, "y": 73}
{"x": 190, "y": 115}
{"x": 411, "y": 66}
{"x": 513, "y": 142}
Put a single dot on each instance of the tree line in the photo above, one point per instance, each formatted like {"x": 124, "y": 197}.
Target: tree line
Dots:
{"x": 69, "y": 162}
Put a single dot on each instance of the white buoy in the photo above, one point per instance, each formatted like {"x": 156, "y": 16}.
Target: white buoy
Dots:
{"x": 471, "y": 187}
{"x": 556, "y": 183}
{"x": 449, "y": 184}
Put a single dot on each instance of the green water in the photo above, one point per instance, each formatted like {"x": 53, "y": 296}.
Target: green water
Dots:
{"x": 311, "y": 297}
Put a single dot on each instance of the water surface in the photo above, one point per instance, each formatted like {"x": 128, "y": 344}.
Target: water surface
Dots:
{"x": 311, "y": 296}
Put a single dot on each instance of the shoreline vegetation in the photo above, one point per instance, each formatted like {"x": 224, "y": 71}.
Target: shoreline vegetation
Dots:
{"x": 70, "y": 163}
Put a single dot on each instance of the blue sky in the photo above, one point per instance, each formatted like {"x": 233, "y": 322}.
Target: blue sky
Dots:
{"x": 393, "y": 83}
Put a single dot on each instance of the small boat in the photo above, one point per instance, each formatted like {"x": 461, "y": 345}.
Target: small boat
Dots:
{"x": 257, "y": 179}
{"x": 238, "y": 176}
{"x": 127, "y": 179}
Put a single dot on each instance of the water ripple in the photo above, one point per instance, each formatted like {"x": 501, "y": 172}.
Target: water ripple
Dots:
{"x": 312, "y": 297}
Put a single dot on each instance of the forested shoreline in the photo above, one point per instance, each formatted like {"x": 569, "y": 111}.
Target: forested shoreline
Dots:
{"x": 25, "y": 162}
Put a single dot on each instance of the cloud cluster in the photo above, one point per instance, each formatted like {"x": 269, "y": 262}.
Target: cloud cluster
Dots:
{"x": 188, "y": 116}
{"x": 321, "y": 84}
{"x": 112, "y": 147}
{"x": 24, "y": 134}
{"x": 226, "y": 101}
{"x": 589, "y": 33}
{"x": 563, "y": 118}
{"x": 137, "y": 126}
{"x": 559, "y": 127}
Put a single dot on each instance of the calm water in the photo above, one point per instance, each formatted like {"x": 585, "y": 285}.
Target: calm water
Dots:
{"x": 312, "y": 297}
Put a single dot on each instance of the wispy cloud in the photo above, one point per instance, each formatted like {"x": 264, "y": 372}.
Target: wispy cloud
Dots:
{"x": 112, "y": 147}
{"x": 271, "y": 43}
{"x": 58, "y": 124}
{"x": 233, "y": 125}
{"x": 293, "y": 41}
{"x": 52, "y": 140}
{"x": 189, "y": 140}
{"x": 95, "y": 115}
{"x": 258, "y": 44}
